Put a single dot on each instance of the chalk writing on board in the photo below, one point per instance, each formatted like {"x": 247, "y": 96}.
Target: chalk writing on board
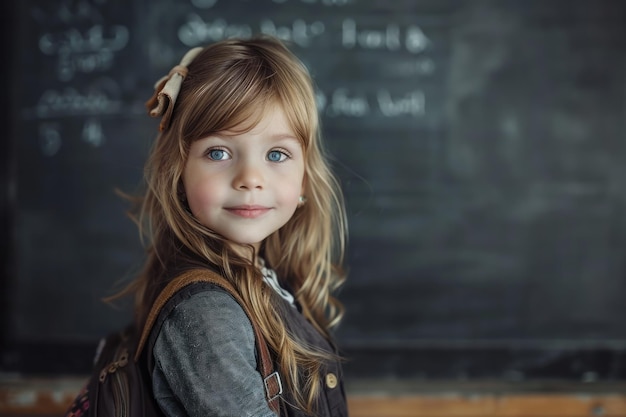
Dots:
{"x": 412, "y": 103}
{"x": 342, "y": 103}
{"x": 346, "y": 103}
{"x": 69, "y": 11}
{"x": 421, "y": 66}
{"x": 196, "y": 31}
{"x": 207, "y": 4}
{"x": 389, "y": 37}
{"x": 51, "y": 136}
{"x": 87, "y": 63}
{"x": 94, "y": 39}
{"x": 393, "y": 37}
{"x": 92, "y": 132}
{"x": 299, "y": 32}
{"x": 71, "y": 102}
{"x": 86, "y": 52}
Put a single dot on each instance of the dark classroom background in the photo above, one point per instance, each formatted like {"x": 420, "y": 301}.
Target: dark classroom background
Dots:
{"x": 481, "y": 146}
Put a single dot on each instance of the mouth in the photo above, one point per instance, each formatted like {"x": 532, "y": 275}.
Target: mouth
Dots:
{"x": 248, "y": 212}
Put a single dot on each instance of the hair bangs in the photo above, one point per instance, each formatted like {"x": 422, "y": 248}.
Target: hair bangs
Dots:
{"x": 228, "y": 98}
{"x": 300, "y": 113}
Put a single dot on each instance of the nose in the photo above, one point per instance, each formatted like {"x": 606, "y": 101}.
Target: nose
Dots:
{"x": 249, "y": 176}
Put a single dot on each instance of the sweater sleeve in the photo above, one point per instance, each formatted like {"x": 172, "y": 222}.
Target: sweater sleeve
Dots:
{"x": 205, "y": 360}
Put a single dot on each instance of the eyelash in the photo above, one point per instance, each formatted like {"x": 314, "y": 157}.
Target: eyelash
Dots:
{"x": 209, "y": 151}
{"x": 282, "y": 151}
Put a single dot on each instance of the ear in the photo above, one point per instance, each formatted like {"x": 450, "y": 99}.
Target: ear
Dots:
{"x": 304, "y": 184}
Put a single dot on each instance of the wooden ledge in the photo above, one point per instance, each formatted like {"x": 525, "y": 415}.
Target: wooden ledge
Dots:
{"x": 380, "y": 398}
{"x": 485, "y": 405}
{"x": 402, "y": 398}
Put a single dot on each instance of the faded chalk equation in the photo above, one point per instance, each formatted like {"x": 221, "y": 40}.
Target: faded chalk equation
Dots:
{"x": 51, "y": 135}
{"x": 88, "y": 106}
{"x": 196, "y": 30}
{"x": 88, "y": 51}
{"x": 392, "y": 66}
{"x": 343, "y": 102}
{"x": 76, "y": 39}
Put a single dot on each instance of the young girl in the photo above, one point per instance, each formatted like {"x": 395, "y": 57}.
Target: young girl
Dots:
{"x": 237, "y": 182}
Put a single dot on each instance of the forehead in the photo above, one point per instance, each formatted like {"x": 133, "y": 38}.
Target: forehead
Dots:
{"x": 269, "y": 118}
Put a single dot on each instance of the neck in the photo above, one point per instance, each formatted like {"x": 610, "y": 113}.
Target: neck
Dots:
{"x": 245, "y": 252}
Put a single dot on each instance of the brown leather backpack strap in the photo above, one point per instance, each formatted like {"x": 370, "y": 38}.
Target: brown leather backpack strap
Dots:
{"x": 271, "y": 378}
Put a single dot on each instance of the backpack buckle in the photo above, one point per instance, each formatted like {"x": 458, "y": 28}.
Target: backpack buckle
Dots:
{"x": 273, "y": 386}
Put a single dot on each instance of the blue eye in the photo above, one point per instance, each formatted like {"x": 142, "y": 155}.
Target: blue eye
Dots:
{"x": 276, "y": 156}
{"x": 218, "y": 154}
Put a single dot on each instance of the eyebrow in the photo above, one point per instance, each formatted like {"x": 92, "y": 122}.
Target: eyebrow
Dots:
{"x": 276, "y": 137}
{"x": 281, "y": 136}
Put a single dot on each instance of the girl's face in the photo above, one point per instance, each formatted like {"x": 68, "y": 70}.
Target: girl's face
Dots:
{"x": 245, "y": 186}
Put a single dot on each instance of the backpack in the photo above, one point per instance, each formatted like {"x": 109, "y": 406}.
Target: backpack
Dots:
{"x": 120, "y": 384}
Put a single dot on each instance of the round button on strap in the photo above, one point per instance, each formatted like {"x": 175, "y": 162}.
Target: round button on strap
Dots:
{"x": 331, "y": 380}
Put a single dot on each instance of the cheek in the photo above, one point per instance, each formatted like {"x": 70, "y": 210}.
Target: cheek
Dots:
{"x": 201, "y": 196}
{"x": 290, "y": 193}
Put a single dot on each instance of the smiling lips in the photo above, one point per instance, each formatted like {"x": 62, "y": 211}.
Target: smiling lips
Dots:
{"x": 249, "y": 212}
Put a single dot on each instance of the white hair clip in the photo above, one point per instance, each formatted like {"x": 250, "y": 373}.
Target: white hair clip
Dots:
{"x": 167, "y": 88}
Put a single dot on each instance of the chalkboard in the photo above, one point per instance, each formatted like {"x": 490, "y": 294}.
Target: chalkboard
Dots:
{"x": 481, "y": 147}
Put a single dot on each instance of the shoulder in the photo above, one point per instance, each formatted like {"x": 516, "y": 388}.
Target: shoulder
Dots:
{"x": 202, "y": 331}
{"x": 205, "y": 359}
{"x": 212, "y": 312}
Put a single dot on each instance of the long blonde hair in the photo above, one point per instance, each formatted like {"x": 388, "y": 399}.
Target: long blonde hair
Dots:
{"x": 230, "y": 83}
